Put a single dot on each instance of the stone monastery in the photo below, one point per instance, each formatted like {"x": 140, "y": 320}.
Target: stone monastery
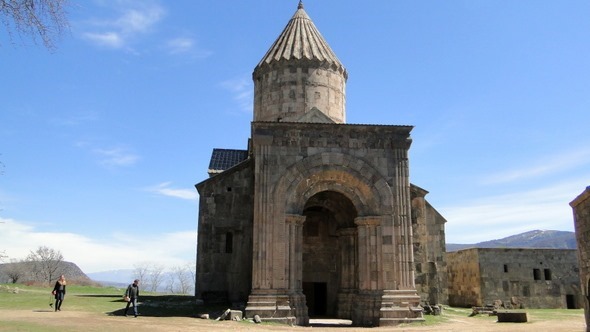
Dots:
{"x": 317, "y": 217}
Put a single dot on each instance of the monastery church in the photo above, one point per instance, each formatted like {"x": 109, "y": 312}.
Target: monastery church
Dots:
{"x": 317, "y": 217}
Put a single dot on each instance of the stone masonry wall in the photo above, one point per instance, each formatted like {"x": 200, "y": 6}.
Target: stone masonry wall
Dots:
{"x": 537, "y": 278}
{"x": 224, "y": 254}
{"x": 528, "y": 278}
{"x": 581, "y": 209}
{"x": 464, "y": 278}
{"x": 428, "y": 228}
{"x": 286, "y": 94}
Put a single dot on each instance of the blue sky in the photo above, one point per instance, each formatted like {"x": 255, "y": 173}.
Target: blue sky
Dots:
{"x": 103, "y": 140}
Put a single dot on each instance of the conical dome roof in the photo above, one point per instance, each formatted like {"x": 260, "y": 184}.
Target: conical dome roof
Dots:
{"x": 301, "y": 40}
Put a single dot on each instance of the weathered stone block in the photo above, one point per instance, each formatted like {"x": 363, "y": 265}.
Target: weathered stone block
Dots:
{"x": 512, "y": 316}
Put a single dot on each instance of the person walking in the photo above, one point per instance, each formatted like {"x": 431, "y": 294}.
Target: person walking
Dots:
{"x": 131, "y": 296}
{"x": 59, "y": 292}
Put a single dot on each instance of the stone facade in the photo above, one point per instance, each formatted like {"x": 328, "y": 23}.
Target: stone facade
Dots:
{"x": 581, "y": 208}
{"x": 319, "y": 217}
{"x": 528, "y": 278}
{"x": 428, "y": 228}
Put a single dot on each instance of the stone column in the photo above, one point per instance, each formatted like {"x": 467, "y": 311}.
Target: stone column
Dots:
{"x": 368, "y": 299}
{"x": 403, "y": 222}
{"x": 347, "y": 242}
{"x": 294, "y": 225}
{"x": 400, "y": 301}
{"x": 269, "y": 298}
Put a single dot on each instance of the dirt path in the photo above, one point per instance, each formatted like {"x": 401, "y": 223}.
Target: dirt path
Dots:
{"x": 84, "y": 321}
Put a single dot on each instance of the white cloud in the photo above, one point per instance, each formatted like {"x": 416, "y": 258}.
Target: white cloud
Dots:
{"x": 549, "y": 164}
{"x": 134, "y": 20}
{"x": 120, "y": 251}
{"x": 164, "y": 189}
{"x": 116, "y": 157}
{"x": 493, "y": 217}
{"x": 107, "y": 39}
{"x": 185, "y": 46}
{"x": 180, "y": 45}
{"x": 242, "y": 92}
{"x": 139, "y": 20}
{"x": 75, "y": 119}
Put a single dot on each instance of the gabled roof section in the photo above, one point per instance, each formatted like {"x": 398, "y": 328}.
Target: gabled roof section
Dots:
{"x": 223, "y": 159}
{"x": 314, "y": 115}
{"x": 301, "y": 40}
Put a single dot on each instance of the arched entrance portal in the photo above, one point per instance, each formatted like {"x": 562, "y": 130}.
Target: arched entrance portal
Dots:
{"x": 328, "y": 251}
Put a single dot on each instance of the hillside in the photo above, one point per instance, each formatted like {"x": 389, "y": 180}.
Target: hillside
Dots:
{"x": 70, "y": 270}
{"x": 532, "y": 239}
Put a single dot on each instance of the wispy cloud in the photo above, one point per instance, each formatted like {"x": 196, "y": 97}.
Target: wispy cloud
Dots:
{"x": 164, "y": 189}
{"x": 186, "y": 47}
{"x": 492, "y": 217}
{"x": 180, "y": 45}
{"x": 133, "y": 20}
{"x": 242, "y": 92}
{"x": 76, "y": 119}
{"x": 110, "y": 39}
{"x": 549, "y": 164}
{"x": 116, "y": 157}
{"x": 91, "y": 255}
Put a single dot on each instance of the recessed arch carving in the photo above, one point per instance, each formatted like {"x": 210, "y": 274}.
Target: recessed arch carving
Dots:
{"x": 334, "y": 171}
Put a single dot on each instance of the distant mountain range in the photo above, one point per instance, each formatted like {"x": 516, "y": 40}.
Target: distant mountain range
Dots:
{"x": 116, "y": 278}
{"x": 532, "y": 239}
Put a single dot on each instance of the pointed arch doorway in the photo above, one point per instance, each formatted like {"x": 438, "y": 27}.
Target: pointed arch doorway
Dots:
{"x": 329, "y": 253}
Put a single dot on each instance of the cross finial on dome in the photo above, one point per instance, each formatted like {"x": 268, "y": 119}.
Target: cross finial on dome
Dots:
{"x": 300, "y": 5}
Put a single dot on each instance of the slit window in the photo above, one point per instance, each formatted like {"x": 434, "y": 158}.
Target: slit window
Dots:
{"x": 505, "y": 268}
{"x": 547, "y": 274}
{"x": 229, "y": 242}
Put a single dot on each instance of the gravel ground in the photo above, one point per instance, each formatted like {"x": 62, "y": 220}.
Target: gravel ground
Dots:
{"x": 88, "y": 322}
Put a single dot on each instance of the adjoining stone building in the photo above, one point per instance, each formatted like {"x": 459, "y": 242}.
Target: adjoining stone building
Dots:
{"x": 316, "y": 217}
{"x": 581, "y": 209}
{"x": 529, "y": 278}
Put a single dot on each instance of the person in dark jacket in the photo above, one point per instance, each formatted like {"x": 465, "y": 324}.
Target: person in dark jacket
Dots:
{"x": 59, "y": 291}
{"x": 131, "y": 296}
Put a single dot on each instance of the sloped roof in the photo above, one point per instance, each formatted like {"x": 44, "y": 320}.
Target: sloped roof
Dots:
{"x": 223, "y": 159}
{"x": 301, "y": 40}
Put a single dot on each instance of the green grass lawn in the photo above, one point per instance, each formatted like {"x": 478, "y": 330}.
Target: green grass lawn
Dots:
{"x": 109, "y": 301}
{"x": 106, "y": 300}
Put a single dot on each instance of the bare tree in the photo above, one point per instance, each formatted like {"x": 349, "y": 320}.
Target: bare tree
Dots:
{"x": 46, "y": 263}
{"x": 156, "y": 277}
{"x": 15, "y": 271}
{"x": 44, "y": 19}
{"x": 180, "y": 280}
{"x": 141, "y": 272}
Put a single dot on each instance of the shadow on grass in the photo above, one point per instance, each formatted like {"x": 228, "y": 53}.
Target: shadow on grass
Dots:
{"x": 102, "y": 295}
{"x": 167, "y": 306}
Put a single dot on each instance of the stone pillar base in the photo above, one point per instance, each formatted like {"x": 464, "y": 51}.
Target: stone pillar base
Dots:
{"x": 365, "y": 310}
{"x": 272, "y": 306}
{"x": 400, "y": 306}
{"x": 299, "y": 306}
{"x": 346, "y": 301}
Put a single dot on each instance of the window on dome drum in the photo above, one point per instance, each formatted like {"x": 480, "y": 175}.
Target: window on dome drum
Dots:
{"x": 537, "y": 274}
{"x": 547, "y": 274}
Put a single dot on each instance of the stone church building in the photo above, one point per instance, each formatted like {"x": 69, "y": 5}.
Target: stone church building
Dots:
{"x": 317, "y": 217}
